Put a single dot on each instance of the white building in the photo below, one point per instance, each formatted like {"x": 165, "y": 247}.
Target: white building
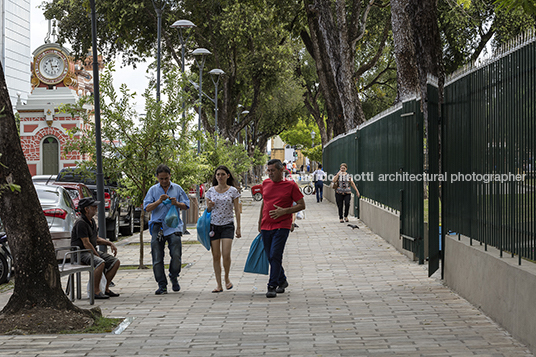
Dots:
{"x": 15, "y": 53}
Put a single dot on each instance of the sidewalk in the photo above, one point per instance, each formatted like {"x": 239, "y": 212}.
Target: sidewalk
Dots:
{"x": 350, "y": 294}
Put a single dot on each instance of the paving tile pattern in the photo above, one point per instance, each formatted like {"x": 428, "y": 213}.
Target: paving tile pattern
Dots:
{"x": 350, "y": 294}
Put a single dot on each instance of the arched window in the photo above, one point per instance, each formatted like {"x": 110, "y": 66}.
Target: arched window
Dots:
{"x": 50, "y": 156}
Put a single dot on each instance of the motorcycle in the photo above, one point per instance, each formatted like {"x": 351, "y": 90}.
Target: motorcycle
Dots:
{"x": 6, "y": 260}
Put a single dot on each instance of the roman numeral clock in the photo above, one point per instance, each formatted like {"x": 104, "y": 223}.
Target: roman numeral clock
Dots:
{"x": 52, "y": 66}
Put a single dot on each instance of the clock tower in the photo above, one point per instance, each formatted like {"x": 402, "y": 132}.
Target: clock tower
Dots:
{"x": 44, "y": 130}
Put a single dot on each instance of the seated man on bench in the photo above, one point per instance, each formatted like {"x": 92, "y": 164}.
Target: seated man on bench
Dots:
{"x": 85, "y": 236}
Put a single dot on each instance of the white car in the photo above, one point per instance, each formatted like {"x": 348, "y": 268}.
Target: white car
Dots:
{"x": 60, "y": 213}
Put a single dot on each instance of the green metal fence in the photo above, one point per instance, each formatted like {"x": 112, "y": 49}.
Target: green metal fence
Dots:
{"x": 489, "y": 137}
{"x": 382, "y": 154}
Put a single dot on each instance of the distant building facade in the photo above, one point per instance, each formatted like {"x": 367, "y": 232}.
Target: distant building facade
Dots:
{"x": 15, "y": 53}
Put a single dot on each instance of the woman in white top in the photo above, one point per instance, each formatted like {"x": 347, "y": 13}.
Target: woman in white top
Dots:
{"x": 222, "y": 197}
{"x": 343, "y": 192}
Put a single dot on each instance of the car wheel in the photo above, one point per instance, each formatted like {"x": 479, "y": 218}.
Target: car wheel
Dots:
{"x": 128, "y": 230}
{"x": 307, "y": 190}
{"x": 257, "y": 196}
{"x": 4, "y": 270}
{"x": 113, "y": 234}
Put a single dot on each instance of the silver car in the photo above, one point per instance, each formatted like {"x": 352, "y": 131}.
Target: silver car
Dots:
{"x": 60, "y": 213}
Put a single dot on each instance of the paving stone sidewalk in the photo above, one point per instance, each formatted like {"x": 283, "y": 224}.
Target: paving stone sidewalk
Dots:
{"x": 350, "y": 294}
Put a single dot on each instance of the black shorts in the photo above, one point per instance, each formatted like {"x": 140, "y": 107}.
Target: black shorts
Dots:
{"x": 225, "y": 231}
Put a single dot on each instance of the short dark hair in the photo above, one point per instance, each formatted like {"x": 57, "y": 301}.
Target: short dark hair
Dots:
{"x": 162, "y": 168}
{"x": 278, "y": 164}
{"x": 319, "y": 166}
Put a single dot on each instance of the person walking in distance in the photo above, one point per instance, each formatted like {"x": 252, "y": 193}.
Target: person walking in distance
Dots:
{"x": 318, "y": 177}
{"x": 343, "y": 192}
{"x": 222, "y": 197}
{"x": 158, "y": 201}
{"x": 275, "y": 221}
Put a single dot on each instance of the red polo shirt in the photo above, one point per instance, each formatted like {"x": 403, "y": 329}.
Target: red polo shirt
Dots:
{"x": 282, "y": 194}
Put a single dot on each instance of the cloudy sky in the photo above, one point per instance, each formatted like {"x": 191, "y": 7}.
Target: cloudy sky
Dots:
{"x": 135, "y": 79}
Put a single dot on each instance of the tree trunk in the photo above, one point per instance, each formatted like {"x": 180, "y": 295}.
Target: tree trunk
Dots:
{"x": 37, "y": 278}
{"x": 333, "y": 51}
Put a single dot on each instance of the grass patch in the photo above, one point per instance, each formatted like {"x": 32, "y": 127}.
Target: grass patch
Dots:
{"x": 7, "y": 286}
{"x": 101, "y": 325}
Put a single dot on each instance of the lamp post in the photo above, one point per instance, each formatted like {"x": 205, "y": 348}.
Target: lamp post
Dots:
{"x": 159, "y": 6}
{"x": 200, "y": 53}
{"x": 181, "y": 25}
{"x": 245, "y": 112}
{"x": 313, "y": 134}
{"x": 216, "y": 73}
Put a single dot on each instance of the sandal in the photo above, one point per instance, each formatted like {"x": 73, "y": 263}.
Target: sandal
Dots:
{"x": 342, "y": 221}
{"x": 346, "y": 219}
{"x": 217, "y": 291}
{"x": 229, "y": 286}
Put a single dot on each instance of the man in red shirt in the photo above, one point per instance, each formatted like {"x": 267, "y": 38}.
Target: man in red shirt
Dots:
{"x": 275, "y": 220}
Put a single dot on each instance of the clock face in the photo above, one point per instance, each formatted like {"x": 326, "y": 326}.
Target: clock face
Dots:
{"x": 51, "y": 66}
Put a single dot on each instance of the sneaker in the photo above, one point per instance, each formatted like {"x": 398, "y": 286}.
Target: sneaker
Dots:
{"x": 271, "y": 292}
{"x": 161, "y": 291}
{"x": 281, "y": 288}
{"x": 175, "y": 285}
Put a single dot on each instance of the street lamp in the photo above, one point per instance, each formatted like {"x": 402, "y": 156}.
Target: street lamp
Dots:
{"x": 181, "y": 25}
{"x": 238, "y": 117}
{"x": 216, "y": 73}
{"x": 200, "y": 53}
{"x": 313, "y": 134}
{"x": 159, "y": 6}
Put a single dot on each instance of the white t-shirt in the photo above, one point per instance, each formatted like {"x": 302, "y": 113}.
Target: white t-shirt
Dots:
{"x": 222, "y": 213}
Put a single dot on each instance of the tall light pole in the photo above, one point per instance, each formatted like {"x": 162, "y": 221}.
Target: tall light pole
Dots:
{"x": 313, "y": 134}
{"x": 182, "y": 25}
{"x": 200, "y": 57}
{"x": 244, "y": 112}
{"x": 216, "y": 73}
{"x": 98, "y": 140}
{"x": 159, "y": 6}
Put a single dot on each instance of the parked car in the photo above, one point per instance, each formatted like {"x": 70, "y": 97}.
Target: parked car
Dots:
{"x": 193, "y": 190}
{"x": 137, "y": 217}
{"x": 44, "y": 179}
{"x": 256, "y": 192}
{"x": 77, "y": 191}
{"x": 119, "y": 211}
{"x": 60, "y": 213}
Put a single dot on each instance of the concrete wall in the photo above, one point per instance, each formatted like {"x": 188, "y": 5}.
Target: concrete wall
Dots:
{"x": 504, "y": 290}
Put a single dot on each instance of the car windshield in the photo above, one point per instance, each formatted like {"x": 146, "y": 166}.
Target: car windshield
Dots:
{"x": 47, "y": 196}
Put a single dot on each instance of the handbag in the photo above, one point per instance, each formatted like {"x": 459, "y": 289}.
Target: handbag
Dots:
{"x": 257, "y": 261}
{"x": 335, "y": 185}
{"x": 203, "y": 229}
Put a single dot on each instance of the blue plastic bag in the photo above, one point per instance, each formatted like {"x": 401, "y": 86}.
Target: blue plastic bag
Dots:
{"x": 257, "y": 262}
{"x": 203, "y": 229}
{"x": 172, "y": 217}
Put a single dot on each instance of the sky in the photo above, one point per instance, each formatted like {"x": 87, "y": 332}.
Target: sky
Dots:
{"x": 136, "y": 80}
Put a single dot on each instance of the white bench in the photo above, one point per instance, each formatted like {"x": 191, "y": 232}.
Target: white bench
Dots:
{"x": 73, "y": 268}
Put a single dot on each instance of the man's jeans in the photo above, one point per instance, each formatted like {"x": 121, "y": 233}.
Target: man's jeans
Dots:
{"x": 157, "y": 253}
{"x": 319, "y": 188}
{"x": 274, "y": 244}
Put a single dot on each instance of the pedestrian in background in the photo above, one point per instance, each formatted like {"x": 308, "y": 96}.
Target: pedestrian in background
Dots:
{"x": 275, "y": 221}
{"x": 342, "y": 182}
{"x": 318, "y": 177}
{"x": 155, "y": 202}
{"x": 222, "y": 197}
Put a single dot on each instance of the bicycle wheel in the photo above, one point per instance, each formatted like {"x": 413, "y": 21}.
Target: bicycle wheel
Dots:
{"x": 307, "y": 190}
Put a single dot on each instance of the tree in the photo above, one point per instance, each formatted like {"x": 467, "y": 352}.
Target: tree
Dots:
{"x": 334, "y": 30}
{"x": 133, "y": 146}
{"x": 468, "y": 28}
{"x": 37, "y": 290}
